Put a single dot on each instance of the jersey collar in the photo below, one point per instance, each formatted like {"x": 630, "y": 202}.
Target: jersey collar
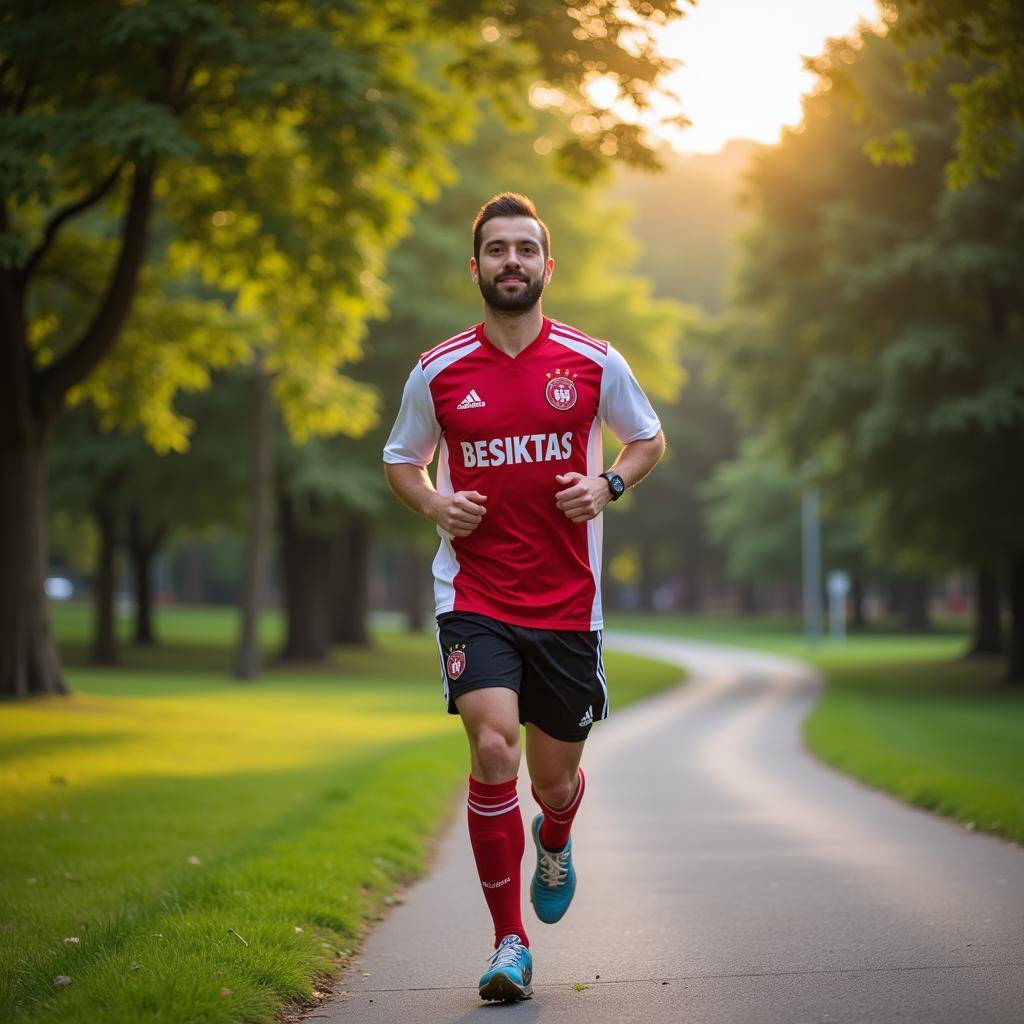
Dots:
{"x": 534, "y": 345}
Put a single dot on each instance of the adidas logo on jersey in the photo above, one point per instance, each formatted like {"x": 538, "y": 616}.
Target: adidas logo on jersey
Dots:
{"x": 588, "y": 717}
{"x": 472, "y": 401}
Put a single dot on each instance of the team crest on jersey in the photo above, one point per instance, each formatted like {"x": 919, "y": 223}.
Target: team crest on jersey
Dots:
{"x": 456, "y": 663}
{"x": 560, "y": 390}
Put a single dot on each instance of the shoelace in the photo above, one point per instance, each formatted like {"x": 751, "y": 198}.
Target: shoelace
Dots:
{"x": 554, "y": 868}
{"x": 507, "y": 954}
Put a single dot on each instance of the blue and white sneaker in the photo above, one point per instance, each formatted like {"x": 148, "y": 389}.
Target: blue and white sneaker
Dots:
{"x": 554, "y": 880}
{"x": 511, "y": 972}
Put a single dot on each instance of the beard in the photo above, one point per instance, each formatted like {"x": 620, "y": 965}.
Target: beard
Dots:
{"x": 512, "y": 302}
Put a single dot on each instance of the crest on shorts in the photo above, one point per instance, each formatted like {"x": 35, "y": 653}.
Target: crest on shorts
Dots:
{"x": 456, "y": 663}
{"x": 560, "y": 390}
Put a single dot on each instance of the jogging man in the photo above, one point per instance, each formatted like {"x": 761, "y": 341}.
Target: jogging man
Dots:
{"x": 516, "y": 405}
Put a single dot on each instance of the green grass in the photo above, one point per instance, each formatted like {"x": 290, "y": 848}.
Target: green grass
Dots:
{"x": 944, "y": 735}
{"x": 215, "y": 848}
{"x": 907, "y": 714}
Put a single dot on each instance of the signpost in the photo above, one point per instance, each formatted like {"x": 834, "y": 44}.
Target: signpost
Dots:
{"x": 838, "y": 587}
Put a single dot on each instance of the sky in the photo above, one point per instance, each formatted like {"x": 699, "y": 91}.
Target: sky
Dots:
{"x": 743, "y": 76}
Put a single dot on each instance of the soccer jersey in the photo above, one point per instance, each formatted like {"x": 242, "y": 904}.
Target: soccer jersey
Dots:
{"x": 506, "y": 426}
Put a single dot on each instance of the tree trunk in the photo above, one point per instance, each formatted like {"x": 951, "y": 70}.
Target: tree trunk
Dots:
{"x": 648, "y": 575}
{"x": 987, "y": 636}
{"x": 693, "y": 586}
{"x": 748, "y": 599}
{"x": 858, "y": 620}
{"x": 1015, "y": 668}
{"x": 916, "y": 617}
{"x": 30, "y": 400}
{"x": 306, "y": 560}
{"x": 248, "y": 662}
{"x": 350, "y": 582}
{"x": 104, "y": 637}
{"x": 142, "y": 549}
{"x": 29, "y": 664}
{"x": 414, "y": 589}
{"x": 193, "y": 574}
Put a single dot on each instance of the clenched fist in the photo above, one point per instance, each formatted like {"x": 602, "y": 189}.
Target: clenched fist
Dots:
{"x": 461, "y": 513}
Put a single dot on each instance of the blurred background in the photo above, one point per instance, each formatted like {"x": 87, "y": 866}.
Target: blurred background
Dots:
{"x": 229, "y": 229}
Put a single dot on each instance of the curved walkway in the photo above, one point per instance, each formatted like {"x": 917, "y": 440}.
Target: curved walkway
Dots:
{"x": 724, "y": 876}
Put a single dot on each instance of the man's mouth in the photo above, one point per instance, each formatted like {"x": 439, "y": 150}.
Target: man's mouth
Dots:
{"x": 512, "y": 277}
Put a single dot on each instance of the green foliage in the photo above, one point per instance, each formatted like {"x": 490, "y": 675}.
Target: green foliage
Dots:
{"x": 291, "y": 144}
{"x": 879, "y": 325}
{"x": 985, "y": 40}
{"x": 754, "y": 515}
{"x": 989, "y": 39}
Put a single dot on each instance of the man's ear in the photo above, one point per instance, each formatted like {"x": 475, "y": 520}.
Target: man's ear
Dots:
{"x": 474, "y": 270}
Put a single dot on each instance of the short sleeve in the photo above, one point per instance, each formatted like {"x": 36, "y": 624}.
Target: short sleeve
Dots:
{"x": 416, "y": 431}
{"x": 624, "y": 406}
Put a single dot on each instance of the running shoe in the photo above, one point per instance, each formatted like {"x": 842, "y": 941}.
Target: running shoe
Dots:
{"x": 554, "y": 880}
{"x": 510, "y": 974}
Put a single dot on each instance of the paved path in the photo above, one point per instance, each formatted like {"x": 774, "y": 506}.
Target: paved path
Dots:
{"x": 724, "y": 876}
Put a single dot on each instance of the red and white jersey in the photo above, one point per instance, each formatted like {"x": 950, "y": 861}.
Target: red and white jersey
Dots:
{"x": 506, "y": 427}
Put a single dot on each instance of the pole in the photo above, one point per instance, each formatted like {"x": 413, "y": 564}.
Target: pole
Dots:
{"x": 810, "y": 536}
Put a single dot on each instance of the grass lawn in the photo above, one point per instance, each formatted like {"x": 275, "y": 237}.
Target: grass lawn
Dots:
{"x": 905, "y": 713}
{"x": 183, "y": 847}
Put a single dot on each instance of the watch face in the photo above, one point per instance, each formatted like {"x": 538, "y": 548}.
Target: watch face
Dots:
{"x": 615, "y": 484}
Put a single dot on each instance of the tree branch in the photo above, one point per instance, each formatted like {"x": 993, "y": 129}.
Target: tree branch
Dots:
{"x": 65, "y": 214}
{"x": 53, "y": 383}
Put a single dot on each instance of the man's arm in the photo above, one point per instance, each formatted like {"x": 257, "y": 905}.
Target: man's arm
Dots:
{"x": 458, "y": 514}
{"x": 585, "y": 497}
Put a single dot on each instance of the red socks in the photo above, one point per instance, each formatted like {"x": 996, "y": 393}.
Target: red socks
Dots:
{"x": 557, "y": 823}
{"x": 498, "y": 840}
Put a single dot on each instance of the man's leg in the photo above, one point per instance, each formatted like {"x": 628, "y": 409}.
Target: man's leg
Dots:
{"x": 558, "y": 783}
{"x": 491, "y": 720}
{"x": 558, "y": 786}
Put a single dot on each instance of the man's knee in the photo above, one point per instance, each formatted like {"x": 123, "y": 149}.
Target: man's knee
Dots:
{"x": 556, "y": 790}
{"x": 496, "y": 755}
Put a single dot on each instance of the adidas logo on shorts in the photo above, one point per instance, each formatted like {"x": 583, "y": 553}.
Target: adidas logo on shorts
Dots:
{"x": 588, "y": 717}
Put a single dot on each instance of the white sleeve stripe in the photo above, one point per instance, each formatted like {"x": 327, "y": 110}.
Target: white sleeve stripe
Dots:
{"x": 445, "y": 359}
{"x": 462, "y": 336}
{"x": 585, "y": 348}
{"x": 578, "y": 335}
{"x": 447, "y": 346}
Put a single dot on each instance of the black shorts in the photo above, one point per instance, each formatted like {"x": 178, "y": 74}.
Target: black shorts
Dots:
{"x": 558, "y": 673}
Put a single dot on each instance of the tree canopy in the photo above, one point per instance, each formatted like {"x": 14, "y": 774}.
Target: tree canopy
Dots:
{"x": 880, "y": 323}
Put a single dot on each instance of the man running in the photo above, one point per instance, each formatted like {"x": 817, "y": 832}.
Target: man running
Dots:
{"x": 516, "y": 404}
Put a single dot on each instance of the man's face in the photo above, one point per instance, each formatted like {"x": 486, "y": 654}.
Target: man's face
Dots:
{"x": 512, "y": 270}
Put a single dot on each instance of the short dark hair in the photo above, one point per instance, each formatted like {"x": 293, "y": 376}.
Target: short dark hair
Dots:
{"x": 508, "y": 204}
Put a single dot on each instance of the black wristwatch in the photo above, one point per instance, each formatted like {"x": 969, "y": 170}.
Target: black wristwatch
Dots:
{"x": 615, "y": 484}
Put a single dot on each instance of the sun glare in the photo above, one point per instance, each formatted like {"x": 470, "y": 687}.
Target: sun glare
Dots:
{"x": 742, "y": 75}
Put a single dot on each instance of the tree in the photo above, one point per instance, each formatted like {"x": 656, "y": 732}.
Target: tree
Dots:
{"x": 880, "y": 327}
{"x": 287, "y": 145}
{"x": 988, "y": 38}
{"x": 138, "y": 499}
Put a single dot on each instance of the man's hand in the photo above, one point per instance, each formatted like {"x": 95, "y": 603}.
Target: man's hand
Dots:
{"x": 583, "y": 497}
{"x": 459, "y": 514}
